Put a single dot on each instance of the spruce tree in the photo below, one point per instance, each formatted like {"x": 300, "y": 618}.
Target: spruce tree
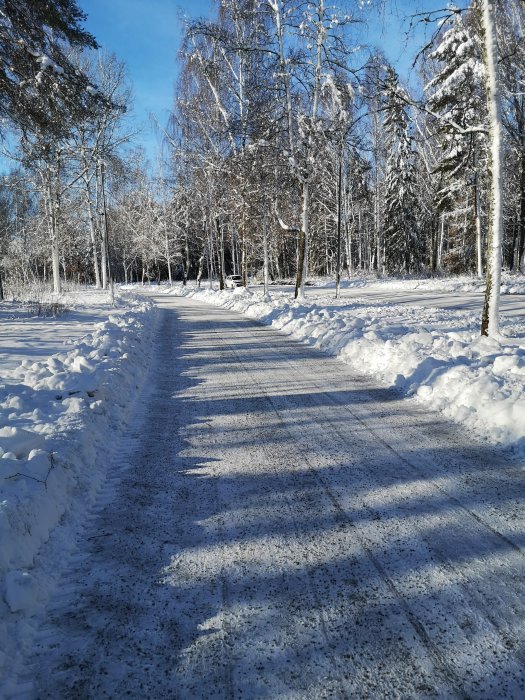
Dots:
{"x": 456, "y": 94}
{"x": 401, "y": 243}
{"x": 39, "y": 85}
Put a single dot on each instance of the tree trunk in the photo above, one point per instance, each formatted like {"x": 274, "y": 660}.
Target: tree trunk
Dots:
{"x": 348, "y": 245}
{"x": 168, "y": 259}
{"x": 220, "y": 252}
{"x": 339, "y": 202}
{"x": 521, "y": 242}
{"x": 244, "y": 261}
{"x": 233, "y": 251}
{"x": 106, "y": 267}
{"x": 186, "y": 267}
{"x": 513, "y": 249}
{"x": 53, "y": 233}
{"x": 433, "y": 247}
{"x": 477, "y": 210}
{"x": 93, "y": 236}
{"x": 265, "y": 254}
{"x": 200, "y": 269}
{"x": 490, "y": 319}
{"x": 441, "y": 242}
{"x": 302, "y": 244}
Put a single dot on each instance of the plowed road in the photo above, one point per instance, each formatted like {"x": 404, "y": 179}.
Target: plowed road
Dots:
{"x": 286, "y": 529}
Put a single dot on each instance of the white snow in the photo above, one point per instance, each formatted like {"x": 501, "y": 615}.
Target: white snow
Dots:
{"x": 61, "y": 396}
{"x": 67, "y": 385}
{"x": 433, "y": 354}
{"x": 284, "y": 530}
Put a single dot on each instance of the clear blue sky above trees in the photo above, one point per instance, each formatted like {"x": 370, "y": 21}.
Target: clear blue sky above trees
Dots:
{"x": 146, "y": 35}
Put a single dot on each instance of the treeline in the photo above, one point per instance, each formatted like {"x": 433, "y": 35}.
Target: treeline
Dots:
{"x": 300, "y": 152}
{"x": 292, "y": 150}
{"x": 77, "y": 204}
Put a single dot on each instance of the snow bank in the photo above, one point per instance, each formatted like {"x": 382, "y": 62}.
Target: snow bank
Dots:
{"x": 56, "y": 416}
{"x": 435, "y": 355}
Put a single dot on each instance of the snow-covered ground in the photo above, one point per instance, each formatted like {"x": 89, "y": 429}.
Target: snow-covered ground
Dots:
{"x": 28, "y": 335}
{"x": 284, "y": 528}
{"x": 511, "y": 284}
{"x": 65, "y": 383}
{"x": 425, "y": 342}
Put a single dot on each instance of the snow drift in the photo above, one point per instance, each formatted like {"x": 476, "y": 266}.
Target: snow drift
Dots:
{"x": 56, "y": 417}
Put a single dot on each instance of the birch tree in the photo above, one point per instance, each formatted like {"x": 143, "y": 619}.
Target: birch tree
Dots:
{"x": 301, "y": 73}
{"x": 490, "y": 315}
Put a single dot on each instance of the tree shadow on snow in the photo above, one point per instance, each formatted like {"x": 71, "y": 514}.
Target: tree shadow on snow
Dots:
{"x": 287, "y": 530}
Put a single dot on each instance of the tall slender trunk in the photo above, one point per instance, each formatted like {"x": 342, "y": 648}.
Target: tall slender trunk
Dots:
{"x": 339, "y": 213}
{"x": 244, "y": 262}
{"x": 513, "y": 249}
{"x": 103, "y": 247}
{"x": 211, "y": 258}
{"x": 302, "y": 243}
{"x": 235, "y": 263}
{"x": 220, "y": 252}
{"x": 348, "y": 245}
{"x": 433, "y": 248}
{"x": 52, "y": 209}
{"x": 521, "y": 242}
{"x": 490, "y": 315}
{"x": 186, "y": 265}
{"x": 168, "y": 257}
{"x": 441, "y": 242}
{"x": 477, "y": 210}
{"x": 106, "y": 267}
{"x": 200, "y": 269}
{"x": 379, "y": 266}
{"x": 266, "y": 257}
{"x": 93, "y": 235}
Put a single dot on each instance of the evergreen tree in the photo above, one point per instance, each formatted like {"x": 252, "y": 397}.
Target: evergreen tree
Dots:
{"x": 401, "y": 245}
{"x": 456, "y": 94}
{"x": 38, "y": 82}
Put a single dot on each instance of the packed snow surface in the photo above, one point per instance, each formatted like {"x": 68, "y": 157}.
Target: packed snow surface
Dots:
{"x": 434, "y": 354}
{"x": 65, "y": 384}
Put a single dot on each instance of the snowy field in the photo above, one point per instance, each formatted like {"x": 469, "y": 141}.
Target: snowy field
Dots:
{"x": 420, "y": 336}
{"x": 66, "y": 383}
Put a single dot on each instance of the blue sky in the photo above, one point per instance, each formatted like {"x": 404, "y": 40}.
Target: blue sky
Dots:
{"x": 145, "y": 34}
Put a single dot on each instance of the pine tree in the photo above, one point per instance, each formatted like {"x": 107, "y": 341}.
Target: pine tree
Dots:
{"x": 400, "y": 236}
{"x": 456, "y": 95}
{"x": 38, "y": 82}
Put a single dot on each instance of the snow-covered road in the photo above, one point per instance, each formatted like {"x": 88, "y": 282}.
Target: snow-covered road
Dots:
{"x": 285, "y": 529}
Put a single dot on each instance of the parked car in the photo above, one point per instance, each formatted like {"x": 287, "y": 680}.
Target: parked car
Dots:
{"x": 233, "y": 281}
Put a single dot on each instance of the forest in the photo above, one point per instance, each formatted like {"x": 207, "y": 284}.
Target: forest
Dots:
{"x": 262, "y": 359}
{"x": 293, "y": 151}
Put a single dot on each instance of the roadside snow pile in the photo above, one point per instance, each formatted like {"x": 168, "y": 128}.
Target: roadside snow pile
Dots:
{"x": 433, "y": 354}
{"x": 56, "y": 416}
